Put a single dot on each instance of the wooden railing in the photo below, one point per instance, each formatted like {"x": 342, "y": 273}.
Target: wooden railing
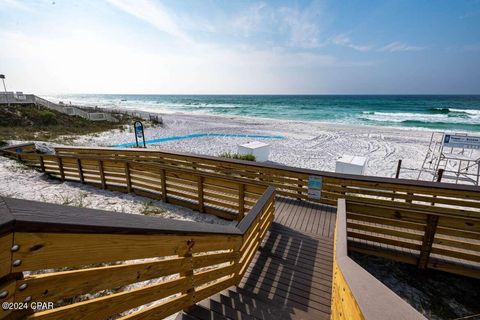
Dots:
{"x": 92, "y": 264}
{"x": 356, "y": 294}
{"x": 447, "y": 240}
{"x": 209, "y": 192}
{"x": 432, "y": 225}
{"x": 293, "y": 182}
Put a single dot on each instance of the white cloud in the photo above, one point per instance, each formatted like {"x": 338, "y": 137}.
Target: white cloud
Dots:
{"x": 297, "y": 27}
{"x": 400, "y": 46}
{"x": 344, "y": 40}
{"x": 153, "y": 13}
{"x": 68, "y": 64}
{"x": 103, "y": 60}
{"x": 15, "y": 4}
{"x": 249, "y": 20}
{"x": 303, "y": 25}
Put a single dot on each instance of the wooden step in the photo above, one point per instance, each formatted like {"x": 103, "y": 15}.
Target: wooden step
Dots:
{"x": 185, "y": 316}
{"x": 239, "y": 304}
{"x": 278, "y": 311}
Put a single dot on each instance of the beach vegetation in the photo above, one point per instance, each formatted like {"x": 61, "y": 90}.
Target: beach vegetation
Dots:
{"x": 149, "y": 209}
{"x": 237, "y": 156}
{"x": 31, "y": 122}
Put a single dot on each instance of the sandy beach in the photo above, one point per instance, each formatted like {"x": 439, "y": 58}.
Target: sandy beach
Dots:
{"x": 312, "y": 145}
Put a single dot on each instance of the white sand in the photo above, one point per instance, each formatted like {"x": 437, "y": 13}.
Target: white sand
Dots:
{"x": 311, "y": 145}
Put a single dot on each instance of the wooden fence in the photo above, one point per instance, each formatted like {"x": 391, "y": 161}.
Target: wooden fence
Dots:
{"x": 432, "y": 225}
{"x": 418, "y": 219}
{"x": 356, "y": 294}
{"x": 209, "y": 192}
{"x": 92, "y": 264}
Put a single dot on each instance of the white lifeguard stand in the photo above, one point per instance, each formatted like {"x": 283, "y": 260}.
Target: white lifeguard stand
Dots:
{"x": 458, "y": 154}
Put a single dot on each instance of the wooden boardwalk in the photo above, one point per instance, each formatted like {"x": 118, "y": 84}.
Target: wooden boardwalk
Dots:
{"x": 291, "y": 275}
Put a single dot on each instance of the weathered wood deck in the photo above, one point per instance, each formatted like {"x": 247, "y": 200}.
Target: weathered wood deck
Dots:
{"x": 291, "y": 274}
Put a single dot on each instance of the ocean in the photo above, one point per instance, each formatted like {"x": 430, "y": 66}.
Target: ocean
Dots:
{"x": 435, "y": 112}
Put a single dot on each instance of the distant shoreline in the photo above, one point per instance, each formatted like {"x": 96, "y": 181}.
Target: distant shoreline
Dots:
{"x": 430, "y": 112}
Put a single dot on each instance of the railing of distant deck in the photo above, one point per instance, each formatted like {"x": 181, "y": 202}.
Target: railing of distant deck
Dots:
{"x": 92, "y": 264}
{"x": 75, "y": 111}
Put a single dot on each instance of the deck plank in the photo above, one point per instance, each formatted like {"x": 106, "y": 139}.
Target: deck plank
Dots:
{"x": 291, "y": 274}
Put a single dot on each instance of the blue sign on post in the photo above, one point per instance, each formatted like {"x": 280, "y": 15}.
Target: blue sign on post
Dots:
{"x": 139, "y": 133}
{"x": 315, "y": 187}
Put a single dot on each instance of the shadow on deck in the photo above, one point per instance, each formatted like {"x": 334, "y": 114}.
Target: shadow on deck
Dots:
{"x": 291, "y": 275}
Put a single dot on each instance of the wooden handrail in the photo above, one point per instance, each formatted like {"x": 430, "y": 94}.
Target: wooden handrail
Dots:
{"x": 256, "y": 211}
{"x": 34, "y": 216}
{"x": 356, "y": 294}
{"x": 198, "y": 260}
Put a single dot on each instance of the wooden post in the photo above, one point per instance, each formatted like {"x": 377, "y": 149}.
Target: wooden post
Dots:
{"x": 429, "y": 236}
{"x": 410, "y": 194}
{"x": 440, "y": 175}
{"x": 128, "y": 179}
{"x": 397, "y": 175}
{"x": 80, "y": 170}
{"x": 102, "y": 174}
{"x": 241, "y": 201}
{"x": 299, "y": 192}
{"x": 60, "y": 168}
{"x": 163, "y": 176}
{"x": 42, "y": 164}
{"x": 201, "y": 207}
{"x": 432, "y": 222}
{"x": 399, "y": 166}
{"x": 189, "y": 273}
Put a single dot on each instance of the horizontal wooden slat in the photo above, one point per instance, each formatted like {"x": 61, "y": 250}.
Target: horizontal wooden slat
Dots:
{"x": 384, "y": 230}
{"x": 378, "y": 239}
{"x": 457, "y": 243}
{"x": 52, "y": 250}
{"x": 104, "y": 307}
{"x": 54, "y": 286}
{"x": 213, "y": 274}
{"x": 456, "y": 254}
{"x": 161, "y": 310}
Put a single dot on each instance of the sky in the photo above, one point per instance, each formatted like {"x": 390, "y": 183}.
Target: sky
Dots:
{"x": 241, "y": 47}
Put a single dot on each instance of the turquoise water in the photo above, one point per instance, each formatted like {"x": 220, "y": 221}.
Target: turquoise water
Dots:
{"x": 459, "y": 113}
{"x": 197, "y": 135}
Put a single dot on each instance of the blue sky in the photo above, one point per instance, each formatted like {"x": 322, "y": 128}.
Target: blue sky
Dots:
{"x": 221, "y": 47}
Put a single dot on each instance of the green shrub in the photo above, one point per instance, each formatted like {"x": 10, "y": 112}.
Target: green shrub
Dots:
{"x": 47, "y": 118}
{"x": 237, "y": 156}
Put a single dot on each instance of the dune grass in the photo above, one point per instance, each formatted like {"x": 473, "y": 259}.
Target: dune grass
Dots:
{"x": 31, "y": 122}
{"x": 237, "y": 156}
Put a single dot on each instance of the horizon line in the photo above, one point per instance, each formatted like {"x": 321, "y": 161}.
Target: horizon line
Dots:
{"x": 270, "y": 94}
